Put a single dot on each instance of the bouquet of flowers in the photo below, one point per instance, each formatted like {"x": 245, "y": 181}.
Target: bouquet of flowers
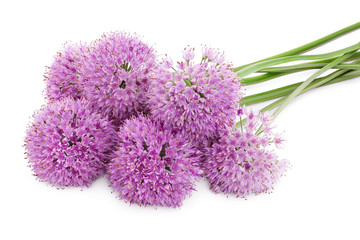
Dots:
{"x": 155, "y": 126}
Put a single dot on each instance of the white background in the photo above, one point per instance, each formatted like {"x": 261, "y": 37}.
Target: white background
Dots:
{"x": 318, "y": 199}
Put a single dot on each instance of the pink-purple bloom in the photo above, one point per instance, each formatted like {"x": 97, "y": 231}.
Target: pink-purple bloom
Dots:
{"x": 115, "y": 74}
{"x": 62, "y": 77}
{"x": 152, "y": 166}
{"x": 196, "y": 99}
{"x": 68, "y": 144}
{"x": 241, "y": 162}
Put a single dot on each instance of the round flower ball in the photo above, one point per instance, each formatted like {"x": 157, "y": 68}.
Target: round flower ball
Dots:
{"x": 115, "y": 74}
{"x": 152, "y": 166}
{"x": 68, "y": 144}
{"x": 62, "y": 77}
{"x": 196, "y": 99}
{"x": 242, "y": 162}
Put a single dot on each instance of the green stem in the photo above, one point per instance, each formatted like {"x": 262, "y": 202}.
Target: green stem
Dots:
{"x": 299, "y": 89}
{"x": 286, "y": 90}
{"x": 308, "y": 66}
{"x": 276, "y": 93}
{"x": 323, "y": 82}
{"x": 335, "y": 77}
{"x": 272, "y": 75}
{"x": 309, "y": 46}
{"x": 304, "y": 84}
{"x": 256, "y": 67}
{"x": 262, "y": 78}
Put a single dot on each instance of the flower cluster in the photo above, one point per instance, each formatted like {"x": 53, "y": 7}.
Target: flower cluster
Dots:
{"x": 68, "y": 144}
{"x": 197, "y": 99}
{"x": 152, "y": 166}
{"x": 115, "y": 74}
{"x": 239, "y": 161}
{"x": 153, "y": 128}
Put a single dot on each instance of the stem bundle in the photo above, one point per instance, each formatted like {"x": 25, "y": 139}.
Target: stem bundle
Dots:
{"x": 345, "y": 61}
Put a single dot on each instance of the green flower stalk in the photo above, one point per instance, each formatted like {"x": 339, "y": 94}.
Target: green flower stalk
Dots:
{"x": 343, "y": 61}
{"x": 261, "y": 65}
{"x": 347, "y": 68}
{"x": 309, "y": 46}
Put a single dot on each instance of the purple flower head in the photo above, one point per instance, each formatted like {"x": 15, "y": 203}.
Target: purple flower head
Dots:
{"x": 68, "y": 144}
{"x": 115, "y": 74}
{"x": 241, "y": 162}
{"x": 197, "y": 99}
{"x": 152, "y": 166}
{"x": 62, "y": 76}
